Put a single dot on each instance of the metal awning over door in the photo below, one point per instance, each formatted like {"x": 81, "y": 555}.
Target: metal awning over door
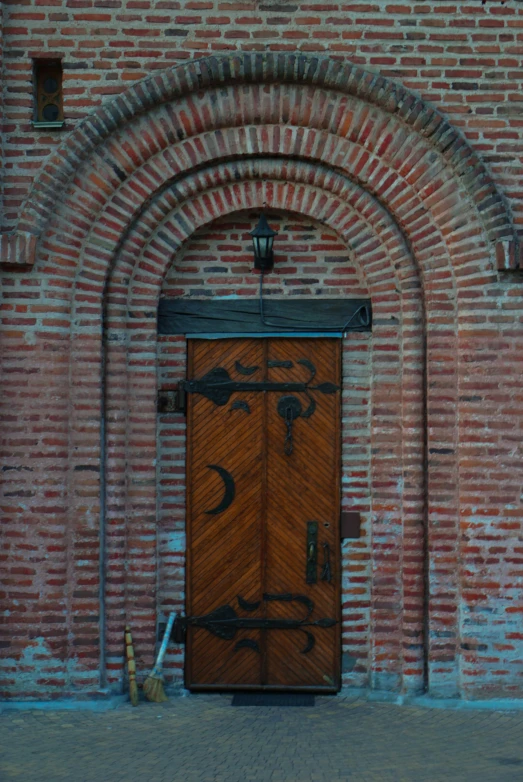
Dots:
{"x": 219, "y": 318}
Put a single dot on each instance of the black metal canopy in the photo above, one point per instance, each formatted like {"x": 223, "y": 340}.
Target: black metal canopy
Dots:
{"x": 242, "y": 316}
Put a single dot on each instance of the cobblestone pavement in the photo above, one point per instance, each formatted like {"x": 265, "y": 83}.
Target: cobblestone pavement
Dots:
{"x": 202, "y": 738}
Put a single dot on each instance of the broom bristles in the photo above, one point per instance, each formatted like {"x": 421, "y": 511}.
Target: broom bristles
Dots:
{"x": 153, "y": 685}
{"x": 153, "y": 689}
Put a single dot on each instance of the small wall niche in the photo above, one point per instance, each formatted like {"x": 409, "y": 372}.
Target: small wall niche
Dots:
{"x": 48, "y": 109}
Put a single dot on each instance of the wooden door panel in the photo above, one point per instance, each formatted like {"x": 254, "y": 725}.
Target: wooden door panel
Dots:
{"x": 303, "y": 487}
{"x": 256, "y": 546}
{"x": 224, "y": 547}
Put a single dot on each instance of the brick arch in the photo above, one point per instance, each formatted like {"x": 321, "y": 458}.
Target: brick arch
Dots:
{"x": 404, "y": 172}
{"x": 122, "y": 288}
{"x": 108, "y": 232}
{"x": 117, "y": 192}
{"x": 113, "y": 215}
{"x": 135, "y": 282}
{"x": 377, "y": 105}
{"x": 316, "y": 183}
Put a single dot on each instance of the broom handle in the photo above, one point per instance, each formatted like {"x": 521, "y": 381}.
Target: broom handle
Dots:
{"x": 131, "y": 665}
{"x": 165, "y": 641}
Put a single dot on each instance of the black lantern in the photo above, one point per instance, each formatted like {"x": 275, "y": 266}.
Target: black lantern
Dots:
{"x": 262, "y": 239}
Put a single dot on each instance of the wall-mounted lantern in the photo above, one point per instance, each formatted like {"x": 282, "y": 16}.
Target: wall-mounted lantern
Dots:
{"x": 262, "y": 240}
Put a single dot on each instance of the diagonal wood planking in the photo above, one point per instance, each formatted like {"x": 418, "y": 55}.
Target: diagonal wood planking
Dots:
{"x": 304, "y": 487}
{"x": 223, "y": 550}
{"x": 259, "y": 544}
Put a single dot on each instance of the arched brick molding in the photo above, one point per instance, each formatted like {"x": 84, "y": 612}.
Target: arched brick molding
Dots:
{"x": 135, "y": 180}
{"x": 257, "y": 69}
{"x": 440, "y": 293}
{"x": 144, "y": 276}
{"x": 117, "y": 296}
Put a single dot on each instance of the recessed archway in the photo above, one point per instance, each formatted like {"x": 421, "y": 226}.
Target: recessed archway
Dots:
{"x": 134, "y": 182}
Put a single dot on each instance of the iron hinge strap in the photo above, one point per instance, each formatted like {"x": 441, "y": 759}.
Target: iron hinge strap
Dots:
{"x": 203, "y": 386}
{"x": 224, "y": 621}
{"x": 217, "y": 385}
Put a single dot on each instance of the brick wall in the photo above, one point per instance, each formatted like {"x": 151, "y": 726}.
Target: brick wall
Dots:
{"x": 139, "y": 201}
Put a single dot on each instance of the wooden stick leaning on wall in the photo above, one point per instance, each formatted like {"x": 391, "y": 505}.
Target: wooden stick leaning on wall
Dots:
{"x": 131, "y": 667}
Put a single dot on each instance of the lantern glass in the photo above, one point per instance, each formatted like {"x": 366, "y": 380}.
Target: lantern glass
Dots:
{"x": 264, "y": 245}
{"x": 262, "y": 241}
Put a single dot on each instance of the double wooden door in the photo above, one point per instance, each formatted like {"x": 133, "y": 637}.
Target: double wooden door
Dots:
{"x": 263, "y": 512}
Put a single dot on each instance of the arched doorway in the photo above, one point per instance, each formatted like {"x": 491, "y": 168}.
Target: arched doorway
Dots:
{"x": 113, "y": 209}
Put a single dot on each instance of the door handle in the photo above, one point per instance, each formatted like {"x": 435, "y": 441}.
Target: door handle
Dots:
{"x": 312, "y": 552}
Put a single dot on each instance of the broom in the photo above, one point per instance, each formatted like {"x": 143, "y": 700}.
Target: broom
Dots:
{"x": 131, "y": 667}
{"x": 153, "y": 685}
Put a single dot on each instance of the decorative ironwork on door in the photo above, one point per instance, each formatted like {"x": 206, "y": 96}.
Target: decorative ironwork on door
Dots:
{"x": 217, "y": 386}
{"x": 224, "y": 621}
{"x": 262, "y": 514}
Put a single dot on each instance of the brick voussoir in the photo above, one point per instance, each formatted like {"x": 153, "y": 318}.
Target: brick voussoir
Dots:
{"x": 254, "y": 68}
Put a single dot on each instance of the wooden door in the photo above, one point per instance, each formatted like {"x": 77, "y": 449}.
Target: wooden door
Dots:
{"x": 263, "y": 467}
